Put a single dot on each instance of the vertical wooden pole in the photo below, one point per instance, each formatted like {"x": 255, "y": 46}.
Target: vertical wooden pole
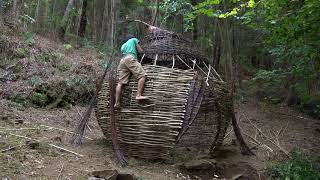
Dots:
{"x": 1, "y": 12}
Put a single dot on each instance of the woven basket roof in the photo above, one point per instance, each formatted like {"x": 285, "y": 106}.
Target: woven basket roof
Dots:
{"x": 164, "y": 42}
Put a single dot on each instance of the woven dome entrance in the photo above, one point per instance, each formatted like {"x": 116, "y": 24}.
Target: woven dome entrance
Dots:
{"x": 190, "y": 105}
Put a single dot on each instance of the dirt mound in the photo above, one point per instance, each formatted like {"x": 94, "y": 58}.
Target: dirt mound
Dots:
{"x": 35, "y": 72}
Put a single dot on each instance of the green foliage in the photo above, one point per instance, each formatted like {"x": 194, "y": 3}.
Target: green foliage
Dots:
{"x": 101, "y": 49}
{"x": 28, "y": 19}
{"x": 103, "y": 65}
{"x": 21, "y": 52}
{"x": 67, "y": 46}
{"x": 53, "y": 58}
{"x": 17, "y": 67}
{"x": 274, "y": 76}
{"x": 39, "y": 99}
{"x": 58, "y": 55}
{"x": 29, "y": 37}
{"x": 77, "y": 82}
{"x": 64, "y": 67}
{"x": 268, "y": 85}
{"x": 299, "y": 167}
{"x": 19, "y": 98}
{"x": 291, "y": 35}
{"x": 34, "y": 81}
{"x": 310, "y": 103}
{"x": 210, "y": 8}
{"x": 171, "y": 8}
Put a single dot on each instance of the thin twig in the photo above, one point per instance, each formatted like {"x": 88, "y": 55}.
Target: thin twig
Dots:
{"x": 60, "y": 172}
{"x": 48, "y": 128}
{"x": 52, "y": 145}
{"x": 64, "y": 130}
{"x": 10, "y": 148}
{"x": 139, "y": 21}
{"x": 256, "y": 134}
{"x": 290, "y": 115}
{"x": 186, "y": 63}
{"x": 20, "y": 129}
{"x": 228, "y": 133}
{"x": 61, "y": 148}
{"x": 255, "y": 141}
{"x": 277, "y": 144}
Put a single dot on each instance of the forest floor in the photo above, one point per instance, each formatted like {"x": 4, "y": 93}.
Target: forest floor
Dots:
{"x": 31, "y": 160}
{"x": 29, "y": 136}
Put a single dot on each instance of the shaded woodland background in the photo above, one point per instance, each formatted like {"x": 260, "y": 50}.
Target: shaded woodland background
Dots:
{"x": 273, "y": 44}
{"x": 52, "y": 51}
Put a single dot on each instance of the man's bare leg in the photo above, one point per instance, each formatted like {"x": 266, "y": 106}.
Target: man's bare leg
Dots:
{"x": 141, "y": 82}
{"x": 118, "y": 95}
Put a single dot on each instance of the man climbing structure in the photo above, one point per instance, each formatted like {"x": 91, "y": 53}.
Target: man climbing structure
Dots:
{"x": 128, "y": 66}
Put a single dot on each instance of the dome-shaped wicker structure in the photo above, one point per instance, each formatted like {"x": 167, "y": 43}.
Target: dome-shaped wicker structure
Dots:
{"x": 189, "y": 106}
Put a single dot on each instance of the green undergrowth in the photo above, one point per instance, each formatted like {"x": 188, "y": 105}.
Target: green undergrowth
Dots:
{"x": 269, "y": 87}
{"x": 300, "y": 166}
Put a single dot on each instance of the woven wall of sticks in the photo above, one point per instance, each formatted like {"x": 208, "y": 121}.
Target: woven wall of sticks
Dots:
{"x": 190, "y": 106}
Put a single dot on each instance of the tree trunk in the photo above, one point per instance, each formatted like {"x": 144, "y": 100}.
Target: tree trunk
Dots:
{"x": 83, "y": 19}
{"x": 104, "y": 32}
{"x": 226, "y": 51}
{"x": 53, "y": 14}
{"x": 38, "y": 14}
{"x": 195, "y": 23}
{"x": 95, "y": 21}
{"x": 65, "y": 19}
{"x": 14, "y": 9}
{"x": 291, "y": 95}
{"x": 113, "y": 23}
{"x": 245, "y": 150}
{"x": 217, "y": 45}
{"x": 78, "y": 18}
{"x": 1, "y": 13}
{"x": 90, "y": 21}
{"x": 156, "y": 14}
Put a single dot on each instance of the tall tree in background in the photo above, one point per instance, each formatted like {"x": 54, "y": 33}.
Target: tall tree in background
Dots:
{"x": 1, "y": 12}
{"x": 83, "y": 19}
{"x": 14, "y": 9}
{"x": 105, "y": 24}
{"x": 113, "y": 23}
{"x": 41, "y": 14}
{"x": 38, "y": 14}
{"x": 194, "y": 23}
{"x": 156, "y": 14}
{"x": 63, "y": 25}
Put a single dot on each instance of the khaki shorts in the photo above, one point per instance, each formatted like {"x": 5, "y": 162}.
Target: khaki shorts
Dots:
{"x": 127, "y": 66}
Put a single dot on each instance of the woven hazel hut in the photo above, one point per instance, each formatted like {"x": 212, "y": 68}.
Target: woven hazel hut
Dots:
{"x": 189, "y": 107}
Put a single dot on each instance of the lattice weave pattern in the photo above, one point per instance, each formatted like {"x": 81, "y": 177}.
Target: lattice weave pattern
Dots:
{"x": 149, "y": 130}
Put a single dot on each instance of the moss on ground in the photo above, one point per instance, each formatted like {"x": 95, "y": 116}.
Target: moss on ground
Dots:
{"x": 39, "y": 99}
